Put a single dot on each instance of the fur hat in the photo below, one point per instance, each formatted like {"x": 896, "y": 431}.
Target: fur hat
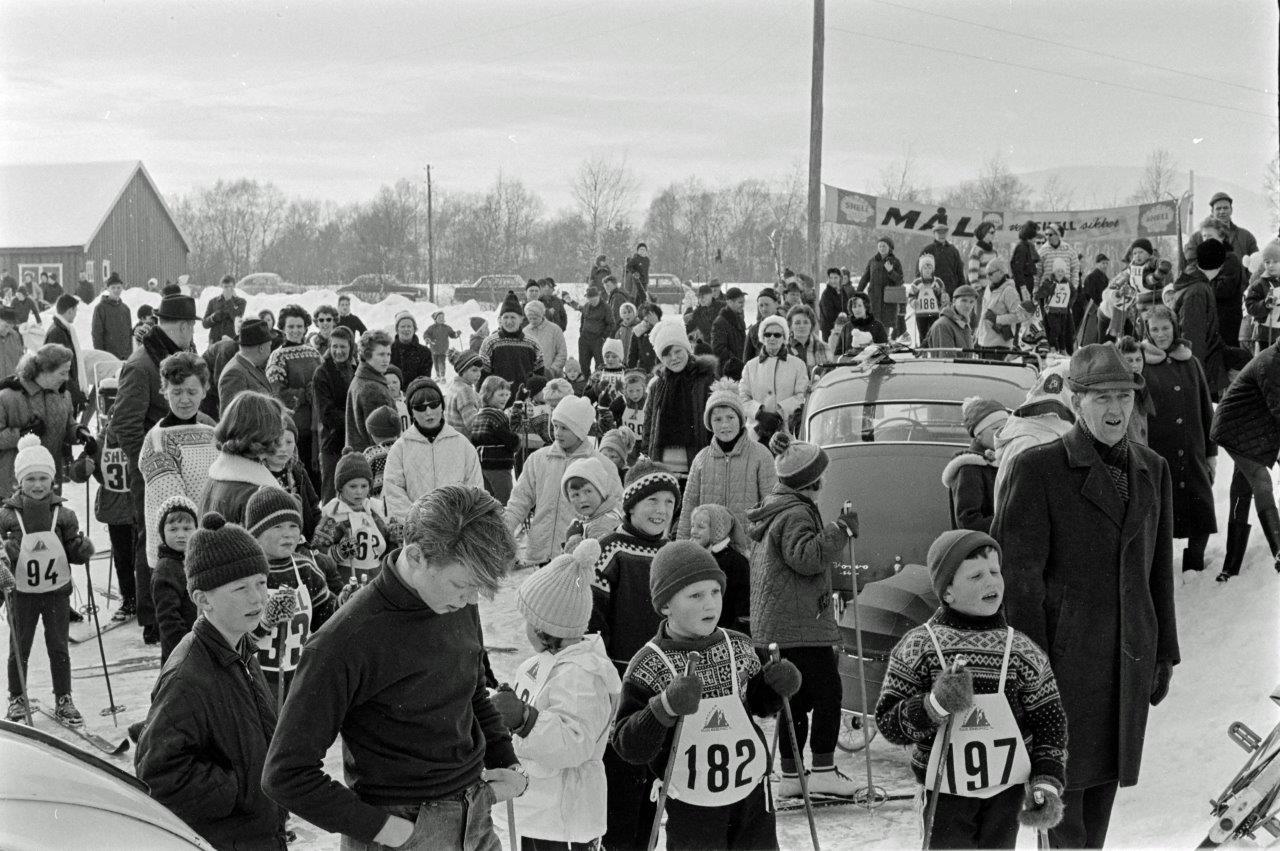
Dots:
{"x": 177, "y": 504}
{"x": 980, "y": 414}
{"x": 556, "y": 599}
{"x": 620, "y": 440}
{"x": 220, "y": 552}
{"x": 576, "y": 414}
{"x": 769, "y": 322}
{"x": 646, "y": 478}
{"x": 32, "y": 457}
{"x": 510, "y": 304}
{"x": 798, "y": 464}
{"x": 613, "y": 344}
{"x": 669, "y": 332}
{"x": 1143, "y": 243}
{"x": 592, "y": 470}
{"x": 383, "y": 424}
{"x": 270, "y": 506}
{"x": 678, "y": 565}
{"x": 724, "y": 394}
{"x": 949, "y": 550}
{"x": 352, "y": 466}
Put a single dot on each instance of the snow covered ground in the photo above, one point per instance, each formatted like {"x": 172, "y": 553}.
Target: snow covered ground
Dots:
{"x": 1228, "y": 636}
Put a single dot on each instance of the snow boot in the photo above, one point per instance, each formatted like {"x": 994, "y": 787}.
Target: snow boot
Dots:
{"x": 788, "y": 786}
{"x": 17, "y": 709}
{"x": 1192, "y": 561}
{"x": 128, "y": 611}
{"x": 830, "y": 780}
{"x": 1269, "y": 517}
{"x": 67, "y": 712}
{"x": 1237, "y": 542}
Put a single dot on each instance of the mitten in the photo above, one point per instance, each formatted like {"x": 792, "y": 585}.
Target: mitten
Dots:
{"x": 326, "y": 534}
{"x": 952, "y": 692}
{"x": 783, "y": 677}
{"x": 35, "y": 426}
{"x": 849, "y": 519}
{"x": 83, "y": 435}
{"x": 680, "y": 698}
{"x": 1041, "y": 806}
{"x": 281, "y": 606}
{"x": 346, "y": 548}
{"x": 512, "y": 709}
{"x": 347, "y": 591}
{"x": 1164, "y": 673}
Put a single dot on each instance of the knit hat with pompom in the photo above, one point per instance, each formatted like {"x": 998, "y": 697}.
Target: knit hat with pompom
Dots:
{"x": 32, "y": 457}
{"x": 799, "y": 464}
{"x": 724, "y": 394}
{"x": 220, "y": 552}
{"x": 556, "y": 599}
{"x": 620, "y": 440}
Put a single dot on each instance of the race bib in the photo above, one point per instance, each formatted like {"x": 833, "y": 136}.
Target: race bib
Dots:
{"x": 115, "y": 470}
{"x": 926, "y": 300}
{"x": 42, "y": 561}
{"x": 1061, "y": 294}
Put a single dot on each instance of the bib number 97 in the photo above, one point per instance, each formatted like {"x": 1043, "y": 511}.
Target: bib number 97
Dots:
{"x": 978, "y": 766}
{"x": 718, "y": 764}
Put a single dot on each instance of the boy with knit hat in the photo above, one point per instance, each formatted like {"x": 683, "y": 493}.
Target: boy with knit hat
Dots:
{"x": 274, "y": 519}
{"x": 561, "y": 706}
{"x": 42, "y": 539}
{"x": 354, "y": 535}
{"x": 175, "y": 611}
{"x": 202, "y": 750}
{"x": 717, "y": 797}
{"x": 1262, "y": 299}
{"x": 971, "y": 474}
{"x": 463, "y": 399}
{"x": 791, "y": 605}
{"x": 384, "y": 427}
{"x": 617, "y": 445}
{"x": 1010, "y": 730}
{"x": 586, "y": 484}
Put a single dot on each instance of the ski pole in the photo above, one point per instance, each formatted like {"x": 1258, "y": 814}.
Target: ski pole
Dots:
{"x": 511, "y": 822}
{"x": 775, "y": 655}
{"x": 7, "y": 586}
{"x": 690, "y": 664}
{"x": 97, "y": 626}
{"x": 862, "y": 673}
{"x": 943, "y": 757}
{"x": 1042, "y": 840}
{"x": 279, "y": 611}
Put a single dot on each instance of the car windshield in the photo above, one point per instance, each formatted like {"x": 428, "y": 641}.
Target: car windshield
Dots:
{"x": 889, "y": 422}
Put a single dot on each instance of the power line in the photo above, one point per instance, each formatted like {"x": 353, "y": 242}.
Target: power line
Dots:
{"x": 1088, "y": 50}
{"x": 936, "y": 49}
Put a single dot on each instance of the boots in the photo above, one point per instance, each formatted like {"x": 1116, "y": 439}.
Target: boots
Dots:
{"x": 1269, "y": 517}
{"x": 1237, "y": 542}
{"x": 1192, "y": 561}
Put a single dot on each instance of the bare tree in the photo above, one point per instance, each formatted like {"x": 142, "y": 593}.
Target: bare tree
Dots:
{"x": 1056, "y": 195}
{"x": 605, "y": 191}
{"x": 900, "y": 179}
{"x": 997, "y": 188}
{"x": 1159, "y": 179}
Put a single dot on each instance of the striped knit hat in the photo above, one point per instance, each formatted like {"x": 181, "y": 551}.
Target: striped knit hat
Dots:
{"x": 646, "y": 478}
{"x": 556, "y": 599}
{"x": 270, "y": 506}
{"x": 178, "y": 503}
{"x": 798, "y": 464}
{"x": 464, "y": 360}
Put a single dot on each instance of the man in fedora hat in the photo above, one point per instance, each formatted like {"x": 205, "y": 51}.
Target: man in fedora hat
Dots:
{"x": 247, "y": 370}
{"x": 140, "y": 404}
{"x": 946, "y": 257}
{"x": 1085, "y": 523}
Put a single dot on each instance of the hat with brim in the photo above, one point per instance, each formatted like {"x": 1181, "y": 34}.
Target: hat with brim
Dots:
{"x": 177, "y": 308}
{"x": 1100, "y": 366}
{"x": 253, "y": 332}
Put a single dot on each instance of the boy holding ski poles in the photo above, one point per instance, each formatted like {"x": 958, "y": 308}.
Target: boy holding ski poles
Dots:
{"x": 980, "y": 703}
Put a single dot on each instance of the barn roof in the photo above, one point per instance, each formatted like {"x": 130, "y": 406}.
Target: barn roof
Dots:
{"x": 58, "y": 205}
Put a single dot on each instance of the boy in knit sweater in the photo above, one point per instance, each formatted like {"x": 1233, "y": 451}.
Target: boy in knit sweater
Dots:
{"x": 713, "y": 802}
{"x": 175, "y": 611}
{"x": 1008, "y": 725}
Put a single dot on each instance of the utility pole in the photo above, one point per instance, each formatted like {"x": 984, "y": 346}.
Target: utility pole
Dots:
{"x": 815, "y": 140}
{"x": 431, "y": 248}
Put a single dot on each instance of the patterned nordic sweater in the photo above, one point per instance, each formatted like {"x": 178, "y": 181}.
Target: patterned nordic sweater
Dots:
{"x": 622, "y": 610}
{"x": 1030, "y": 687}
{"x": 174, "y": 460}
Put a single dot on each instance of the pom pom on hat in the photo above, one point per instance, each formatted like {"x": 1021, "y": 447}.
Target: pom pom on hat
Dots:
{"x": 980, "y": 414}
{"x": 620, "y": 440}
{"x": 352, "y": 466}
{"x": 556, "y": 599}
{"x": 32, "y": 457}
{"x": 220, "y": 552}
{"x": 797, "y": 463}
{"x": 724, "y": 394}
{"x": 678, "y": 565}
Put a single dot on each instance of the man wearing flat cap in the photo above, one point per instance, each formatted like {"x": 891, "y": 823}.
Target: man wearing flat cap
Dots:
{"x": 247, "y": 370}
{"x": 1085, "y": 524}
{"x": 1242, "y": 242}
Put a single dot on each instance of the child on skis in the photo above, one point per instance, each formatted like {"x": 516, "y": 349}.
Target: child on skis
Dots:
{"x": 717, "y": 797}
{"x": 438, "y": 335}
{"x": 717, "y": 530}
{"x": 927, "y": 297}
{"x": 175, "y": 612}
{"x": 595, "y": 504}
{"x": 561, "y": 706}
{"x": 273, "y": 519}
{"x": 41, "y": 541}
{"x": 463, "y": 399}
{"x": 1007, "y": 684}
{"x": 971, "y": 474}
{"x": 354, "y": 535}
{"x": 791, "y": 605}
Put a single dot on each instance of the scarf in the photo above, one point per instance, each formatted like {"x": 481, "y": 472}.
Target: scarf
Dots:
{"x": 1115, "y": 458}
{"x": 429, "y": 433}
{"x": 726, "y": 446}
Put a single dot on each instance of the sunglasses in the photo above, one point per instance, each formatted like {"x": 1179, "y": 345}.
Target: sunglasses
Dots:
{"x": 774, "y": 334}
{"x": 324, "y": 320}
{"x": 427, "y": 406}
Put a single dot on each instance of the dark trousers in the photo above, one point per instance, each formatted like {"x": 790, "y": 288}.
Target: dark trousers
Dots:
{"x": 141, "y": 569}
{"x": 820, "y": 693}
{"x": 630, "y": 812}
{"x": 1060, "y": 331}
{"x": 1085, "y": 818}
{"x": 121, "y": 535}
{"x": 590, "y": 350}
{"x": 530, "y": 844}
{"x": 54, "y": 608}
{"x": 328, "y": 464}
{"x": 497, "y": 483}
{"x": 439, "y": 361}
{"x": 307, "y": 448}
{"x": 747, "y": 824}
{"x": 961, "y": 822}
{"x": 924, "y": 323}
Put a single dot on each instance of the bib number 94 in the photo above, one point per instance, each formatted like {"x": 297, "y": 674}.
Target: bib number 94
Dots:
{"x": 718, "y": 764}
{"x": 34, "y": 572}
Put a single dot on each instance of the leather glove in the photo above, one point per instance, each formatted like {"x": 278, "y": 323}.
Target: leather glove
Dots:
{"x": 952, "y": 691}
{"x": 680, "y": 698}
{"x": 783, "y": 677}
{"x": 511, "y": 708}
{"x": 1041, "y": 806}
{"x": 1164, "y": 674}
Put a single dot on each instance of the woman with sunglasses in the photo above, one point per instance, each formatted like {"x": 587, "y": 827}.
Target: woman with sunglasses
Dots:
{"x": 326, "y": 320}
{"x": 773, "y": 383}
{"x": 430, "y": 455}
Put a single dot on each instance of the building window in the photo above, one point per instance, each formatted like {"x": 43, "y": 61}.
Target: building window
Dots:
{"x": 88, "y": 271}
{"x": 106, "y": 270}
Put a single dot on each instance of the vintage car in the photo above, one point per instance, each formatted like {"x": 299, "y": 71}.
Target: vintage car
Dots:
{"x": 373, "y": 288}
{"x": 490, "y": 289}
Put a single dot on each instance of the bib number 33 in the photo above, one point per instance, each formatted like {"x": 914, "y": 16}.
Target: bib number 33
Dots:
{"x": 719, "y": 766}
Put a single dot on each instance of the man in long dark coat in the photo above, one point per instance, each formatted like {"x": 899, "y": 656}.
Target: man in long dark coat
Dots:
{"x": 1086, "y": 524}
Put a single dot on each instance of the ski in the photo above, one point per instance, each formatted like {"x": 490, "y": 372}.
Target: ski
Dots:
{"x": 791, "y": 805}
{"x": 92, "y": 738}
{"x": 84, "y": 636}
{"x": 127, "y": 666}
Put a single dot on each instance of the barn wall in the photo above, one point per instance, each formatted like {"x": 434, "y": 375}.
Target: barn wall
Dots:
{"x": 71, "y": 260}
{"x": 139, "y": 239}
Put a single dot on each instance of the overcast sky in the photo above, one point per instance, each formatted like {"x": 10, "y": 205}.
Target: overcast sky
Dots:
{"x": 333, "y": 99}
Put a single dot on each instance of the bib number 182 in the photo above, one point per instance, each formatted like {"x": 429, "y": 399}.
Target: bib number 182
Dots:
{"x": 976, "y": 764}
{"x": 718, "y": 764}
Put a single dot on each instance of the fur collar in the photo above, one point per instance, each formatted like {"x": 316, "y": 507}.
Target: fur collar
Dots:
{"x": 964, "y": 459}
{"x": 1152, "y": 354}
{"x": 234, "y": 468}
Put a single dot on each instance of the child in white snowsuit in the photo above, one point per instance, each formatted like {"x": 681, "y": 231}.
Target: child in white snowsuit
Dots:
{"x": 1008, "y": 746}
{"x": 561, "y": 706}
{"x": 354, "y": 535}
{"x": 717, "y": 794}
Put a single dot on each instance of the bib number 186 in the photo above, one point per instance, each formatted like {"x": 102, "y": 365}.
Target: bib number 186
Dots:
{"x": 718, "y": 764}
{"x": 976, "y": 769}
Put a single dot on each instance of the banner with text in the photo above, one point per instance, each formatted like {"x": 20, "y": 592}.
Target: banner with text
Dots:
{"x": 846, "y": 207}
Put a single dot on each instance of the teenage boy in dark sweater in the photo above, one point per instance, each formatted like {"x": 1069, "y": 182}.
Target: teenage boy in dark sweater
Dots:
{"x": 399, "y": 672}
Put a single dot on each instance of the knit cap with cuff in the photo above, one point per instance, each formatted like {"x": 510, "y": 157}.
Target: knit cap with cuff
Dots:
{"x": 220, "y": 552}
{"x": 797, "y": 463}
{"x": 949, "y": 550}
{"x": 592, "y": 471}
{"x": 577, "y": 414}
{"x": 556, "y": 599}
{"x": 464, "y": 360}
{"x": 32, "y": 457}
{"x": 646, "y": 478}
{"x": 724, "y": 394}
{"x": 678, "y": 565}
{"x": 269, "y": 507}
{"x": 621, "y": 440}
{"x": 383, "y": 424}
{"x": 351, "y": 466}
{"x": 980, "y": 414}
{"x": 177, "y": 504}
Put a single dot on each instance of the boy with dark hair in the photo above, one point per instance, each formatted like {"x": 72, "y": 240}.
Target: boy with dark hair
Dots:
{"x": 175, "y": 611}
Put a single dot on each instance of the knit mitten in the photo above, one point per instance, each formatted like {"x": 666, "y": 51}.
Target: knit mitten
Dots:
{"x": 511, "y": 708}
{"x": 783, "y": 677}
{"x": 680, "y": 698}
{"x": 952, "y": 692}
{"x": 281, "y": 606}
{"x": 1042, "y": 806}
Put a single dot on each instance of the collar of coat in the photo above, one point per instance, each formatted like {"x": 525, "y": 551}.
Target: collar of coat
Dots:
{"x": 1153, "y": 354}
{"x": 366, "y": 372}
{"x": 967, "y": 458}
{"x": 236, "y": 468}
{"x": 159, "y": 345}
{"x": 1101, "y": 491}
{"x": 764, "y": 355}
{"x": 226, "y": 655}
{"x": 16, "y": 501}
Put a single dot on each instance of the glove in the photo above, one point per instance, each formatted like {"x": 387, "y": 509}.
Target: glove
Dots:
{"x": 512, "y": 709}
{"x": 952, "y": 691}
{"x": 1042, "y": 806}
{"x": 281, "y": 606}
{"x": 1164, "y": 673}
{"x": 680, "y": 698}
{"x": 849, "y": 520}
{"x": 347, "y": 591}
{"x": 783, "y": 677}
{"x": 346, "y": 548}
{"x": 35, "y": 426}
{"x": 83, "y": 435}
{"x": 506, "y": 783}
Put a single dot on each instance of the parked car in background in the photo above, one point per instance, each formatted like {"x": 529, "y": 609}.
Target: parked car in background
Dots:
{"x": 373, "y": 288}
{"x": 268, "y": 283}
{"x": 490, "y": 289}
{"x": 668, "y": 289}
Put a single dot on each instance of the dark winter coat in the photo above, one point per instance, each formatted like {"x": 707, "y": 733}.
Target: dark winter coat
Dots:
{"x": 139, "y": 402}
{"x": 368, "y": 392}
{"x": 220, "y": 316}
{"x": 1229, "y": 288}
{"x": 112, "y": 329}
{"x": 868, "y": 325}
{"x": 412, "y": 359}
{"x": 614, "y": 300}
{"x": 59, "y": 333}
{"x": 1198, "y": 318}
{"x": 735, "y": 609}
{"x": 202, "y": 750}
{"x": 175, "y": 613}
{"x": 875, "y": 278}
{"x": 238, "y": 376}
{"x": 26, "y": 406}
{"x": 729, "y": 341}
{"x": 597, "y": 322}
{"x": 353, "y": 322}
{"x": 37, "y": 516}
{"x": 438, "y": 335}
{"x": 949, "y": 331}
{"x": 555, "y": 310}
{"x": 25, "y": 309}
{"x": 1089, "y": 578}
{"x": 329, "y": 390}
{"x": 640, "y": 354}
{"x": 621, "y": 606}
{"x": 597, "y": 274}
{"x": 1091, "y": 290}
{"x": 1247, "y": 420}
{"x": 636, "y": 279}
{"x": 947, "y": 264}
{"x": 1023, "y": 265}
{"x": 232, "y": 480}
{"x": 673, "y": 408}
{"x": 84, "y": 291}
{"x": 1179, "y": 432}
{"x": 791, "y": 571}
{"x": 971, "y": 478}
{"x": 216, "y": 357}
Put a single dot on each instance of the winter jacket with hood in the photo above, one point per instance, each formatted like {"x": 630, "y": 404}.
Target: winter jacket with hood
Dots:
{"x": 1247, "y": 420}
{"x": 1179, "y": 433}
{"x": 412, "y": 358}
{"x": 416, "y": 466}
{"x": 791, "y": 571}
{"x": 367, "y": 393}
{"x": 971, "y": 478}
{"x": 1030, "y": 425}
{"x": 232, "y": 480}
{"x": 64, "y": 335}
{"x": 737, "y": 479}
{"x": 949, "y": 331}
{"x": 539, "y": 499}
{"x": 26, "y": 406}
{"x": 563, "y": 751}
{"x": 112, "y": 328}
{"x": 608, "y": 516}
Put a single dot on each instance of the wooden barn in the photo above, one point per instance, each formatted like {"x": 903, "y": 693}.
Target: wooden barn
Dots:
{"x": 87, "y": 219}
